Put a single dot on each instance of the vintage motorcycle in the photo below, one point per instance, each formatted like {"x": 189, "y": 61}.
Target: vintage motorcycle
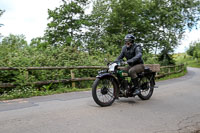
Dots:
{"x": 114, "y": 82}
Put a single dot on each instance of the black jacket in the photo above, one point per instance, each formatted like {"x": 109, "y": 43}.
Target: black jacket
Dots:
{"x": 133, "y": 54}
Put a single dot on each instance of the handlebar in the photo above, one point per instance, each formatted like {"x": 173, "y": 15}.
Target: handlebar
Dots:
{"x": 119, "y": 63}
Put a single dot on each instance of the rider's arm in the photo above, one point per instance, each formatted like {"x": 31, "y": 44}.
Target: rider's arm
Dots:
{"x": 121, "y": 56}
{"x": 138, "y": 55}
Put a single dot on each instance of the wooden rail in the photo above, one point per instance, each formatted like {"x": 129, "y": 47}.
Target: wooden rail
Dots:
{"x": 73, "y": 79}
{"x": 53, "y": 68}
{"x": 177, "y": 69}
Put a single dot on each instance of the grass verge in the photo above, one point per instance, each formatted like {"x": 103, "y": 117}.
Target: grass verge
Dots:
{"x": 31, "y": 92}
{"x": 174, "y": 75}
{"x": 183, "y": 58}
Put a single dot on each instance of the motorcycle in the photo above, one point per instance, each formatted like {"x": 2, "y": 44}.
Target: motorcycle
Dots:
{"x": 114, "y": 82}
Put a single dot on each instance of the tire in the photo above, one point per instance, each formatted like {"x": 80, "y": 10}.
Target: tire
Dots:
{"x": 103, "y": 91}
{"x": 147, "y": 88}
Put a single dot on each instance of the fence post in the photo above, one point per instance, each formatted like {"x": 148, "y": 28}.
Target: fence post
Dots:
{"x": 72, "y": 77}
{"x": 27, "y": 74}
{"x": 169, "y": 70}
{"x": 175, "y": 68}
{"x": 182, "y": 67}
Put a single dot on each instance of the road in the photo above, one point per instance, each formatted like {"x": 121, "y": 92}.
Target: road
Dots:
{"x": 173, "y": 108}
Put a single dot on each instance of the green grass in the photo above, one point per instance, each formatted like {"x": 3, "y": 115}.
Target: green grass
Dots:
{"x": 173, "y": 75}
{"x": 30, "y": 92}
{"x": 189, "y": 61}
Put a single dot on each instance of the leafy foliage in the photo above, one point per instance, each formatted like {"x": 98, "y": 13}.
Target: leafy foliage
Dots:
{"x": 194, "y": 50}
{"x": 157, "y": 24}
{"x": 37, "y": 56}
{"x": 66, "y": 23}
{"x": 165, "y": 58}
{"x": 184, "y": 58}
{"x": 14, "y": 41}
{"x": 1, "y": 13}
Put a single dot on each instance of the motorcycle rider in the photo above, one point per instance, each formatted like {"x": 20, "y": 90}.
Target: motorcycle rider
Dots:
{"x": 133, "y": 53}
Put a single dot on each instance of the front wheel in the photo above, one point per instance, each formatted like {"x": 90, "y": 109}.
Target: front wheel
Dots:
{"x": 103, "y": 91}
{"x": 147, "y": 88}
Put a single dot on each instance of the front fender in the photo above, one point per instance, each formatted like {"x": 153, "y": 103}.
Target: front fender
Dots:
{"x": 105, "y": 75}
{"x": 102, "y": 75}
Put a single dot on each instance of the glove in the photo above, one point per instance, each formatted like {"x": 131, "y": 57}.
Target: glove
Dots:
{"x": 124, "y": 63}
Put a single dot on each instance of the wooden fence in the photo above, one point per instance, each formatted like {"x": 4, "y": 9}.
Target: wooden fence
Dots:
{"x": 168, "y": 70}
{"x": 164, "y": 70}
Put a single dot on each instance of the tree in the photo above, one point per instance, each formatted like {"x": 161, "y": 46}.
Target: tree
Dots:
{"x": 158, "y": 24}
{"x": 165, "y": 58}
{"x": 175, "y": 17}
{"x": 67, "y": 21}
{"x": 191, "y": 49}
{"x": 97, "y": 22}
{"x": 1, "y": 13}
{"x": 194, "y": 50}
{"x": 15, "y": 41}
{"x": 152, "y": 22}
{"x": 39, "y": 42}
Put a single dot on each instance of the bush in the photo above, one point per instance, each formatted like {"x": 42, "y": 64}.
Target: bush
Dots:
{"x": 45, "y": 55}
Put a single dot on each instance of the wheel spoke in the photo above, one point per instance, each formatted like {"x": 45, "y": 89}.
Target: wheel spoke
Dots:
{"x": 109, "y": 91}
{"x": 107, "y": 98}
{"x": 110, "y": 94}
{"x": 146, "y": 86}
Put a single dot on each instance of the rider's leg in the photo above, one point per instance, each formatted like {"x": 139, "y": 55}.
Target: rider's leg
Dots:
{"x": 133, "y": 73}
{"x": 135, "y": 89}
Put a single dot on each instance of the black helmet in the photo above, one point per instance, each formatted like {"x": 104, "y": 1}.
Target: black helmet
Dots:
{"x": 129, "y": 38}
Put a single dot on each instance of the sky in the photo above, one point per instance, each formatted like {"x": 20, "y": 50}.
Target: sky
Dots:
{"x": 190, "y": 37}
{"x": 29, "y": 17}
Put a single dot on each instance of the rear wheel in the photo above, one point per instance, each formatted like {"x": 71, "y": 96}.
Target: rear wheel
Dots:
{"x": 147, "y": 88}
{"x": 103, "y": 91}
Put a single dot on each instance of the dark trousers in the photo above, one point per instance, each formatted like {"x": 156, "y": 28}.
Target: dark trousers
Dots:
{"x": 134, "y": 70}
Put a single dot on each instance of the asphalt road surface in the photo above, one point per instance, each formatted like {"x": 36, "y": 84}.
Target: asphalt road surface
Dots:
{"x": 173, "y": 108}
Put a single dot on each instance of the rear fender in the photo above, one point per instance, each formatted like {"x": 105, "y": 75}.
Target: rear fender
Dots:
{"x": 151, "y": 76}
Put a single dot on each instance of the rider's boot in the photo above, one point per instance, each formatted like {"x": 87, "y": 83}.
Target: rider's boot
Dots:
{"x": 136, "y": 88}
